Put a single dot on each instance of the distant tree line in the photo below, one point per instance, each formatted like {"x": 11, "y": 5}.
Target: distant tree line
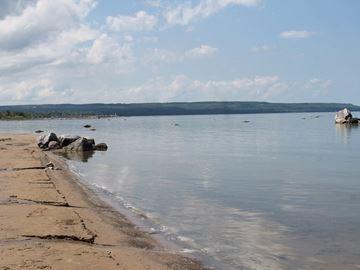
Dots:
{"x": 13, "y": 115}
{"x": 176, "y": 108}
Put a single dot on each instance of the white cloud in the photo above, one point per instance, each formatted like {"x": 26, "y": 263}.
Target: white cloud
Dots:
{"x": 154, "y": 3}
{"x": 41, "y": 21}
{"x": 47, "y": 49}
{"x": 12, "y": 7}
{"x": 296, "y": 34}
{"x": 185, "y": 13}
{"x": 182, "y": 88}
{"x": 316, "y": 82}
{"x": 262, "y": 48}
{"x": 105, "y": 50}
{"x": 141, "y": 21}
{"x": 203, "y": 50}
{"x": 28, "y": 90}
{"x": 159, "y": 55}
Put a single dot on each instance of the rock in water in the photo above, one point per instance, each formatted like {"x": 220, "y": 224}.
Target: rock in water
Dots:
{"x": 67, "y": 139}
{"x": 345, "y": 117}
{"x": 87, "y": 126}
{"x": 39, "y": 131}
{"x": 81, "y": 144}
{"x": 53, "y": 145}
{"x": 101, "y": 147}
{"x": 44, "y": 140}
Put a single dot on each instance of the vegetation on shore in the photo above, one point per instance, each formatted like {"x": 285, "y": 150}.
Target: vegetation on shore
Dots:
{"x": 20, "y": 112}
{"x": 13, "y": 115}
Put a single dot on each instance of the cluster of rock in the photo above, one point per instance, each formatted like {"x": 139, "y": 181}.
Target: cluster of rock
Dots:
{"x": 345, "y": 117}
{"x": 51, "y": 141}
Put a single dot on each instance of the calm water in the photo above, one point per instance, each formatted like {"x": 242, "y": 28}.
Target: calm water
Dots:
{"x": 280, "y": 192}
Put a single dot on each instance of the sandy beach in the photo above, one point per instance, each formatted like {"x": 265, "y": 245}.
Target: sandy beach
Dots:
{"x": 48, "y": 220}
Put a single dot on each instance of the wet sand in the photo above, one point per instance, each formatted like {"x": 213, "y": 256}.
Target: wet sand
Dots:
{"x": 48, "y": 220}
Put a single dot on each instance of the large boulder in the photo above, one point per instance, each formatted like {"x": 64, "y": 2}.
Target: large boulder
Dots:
{"x": 81, "y": 144}
{"x": 53, "y": 145}
{"x": 67, "y": 139}
{"x": 345, "y": 117}
{"x": 44, "y": 140}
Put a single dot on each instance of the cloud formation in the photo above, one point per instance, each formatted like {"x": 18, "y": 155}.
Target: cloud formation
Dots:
{"x": 184, "y": 14}
{"x": 183, "y": 88}
{"x": 141, "y": 21}
{"x": 58, "y": 51}
{"x": 166, "y": 56}
{"x": 41, "y": 21}
{"x": 296, "y": 34}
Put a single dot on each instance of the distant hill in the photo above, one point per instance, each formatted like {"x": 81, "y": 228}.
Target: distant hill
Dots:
{"x": 176, "y": 108}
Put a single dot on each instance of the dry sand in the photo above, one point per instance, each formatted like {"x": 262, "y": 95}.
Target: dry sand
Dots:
{"x": 48, "y": 220}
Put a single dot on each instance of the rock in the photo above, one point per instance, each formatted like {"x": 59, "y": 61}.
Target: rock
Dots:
{"x": 92, "y": 129}
{"x": 246, "y": 121}
{"x": 82, "y": 156}
{"x": 345, "y": 117}
{"x": 101, "y": 147}
{"x": 81, "y": 144}
{"x": 44, "y": 140}
{"x": 87, "y": 126}
{"x": 53, "y": 145}
{"x": 39, "y": 131}
{"x": 354, "y": 121}
{"x": 67, "y": 139}
{"x": 50, "y": 165}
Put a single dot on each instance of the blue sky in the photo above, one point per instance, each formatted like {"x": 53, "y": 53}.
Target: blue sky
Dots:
{"x": 80, "y": 51}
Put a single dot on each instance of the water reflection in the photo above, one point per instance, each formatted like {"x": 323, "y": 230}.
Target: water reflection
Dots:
{"x": 240, "y": 238}
{"x": 345, "y": 131}
{"x": 82, "y": 156}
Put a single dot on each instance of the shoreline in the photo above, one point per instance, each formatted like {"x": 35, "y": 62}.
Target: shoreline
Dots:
{"x": 50, "y": 220}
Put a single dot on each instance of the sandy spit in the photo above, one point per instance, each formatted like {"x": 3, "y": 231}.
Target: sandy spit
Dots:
{"x": 48, "y": 220}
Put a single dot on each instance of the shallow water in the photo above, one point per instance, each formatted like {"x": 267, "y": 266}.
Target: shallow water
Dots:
{"x": 279, "y": 192}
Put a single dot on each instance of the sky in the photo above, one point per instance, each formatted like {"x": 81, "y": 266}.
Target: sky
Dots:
{"x": 127, "y": 51}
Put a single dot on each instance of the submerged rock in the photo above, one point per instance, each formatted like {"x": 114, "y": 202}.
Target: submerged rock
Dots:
{"x": 81, "y": 144}
{"x": 39, "y": 131}
{"x": 67, "y": 139}
{"x": 345, "y": 117}
{"x": 101, "y": 147}
{"x": 44, "y": 140}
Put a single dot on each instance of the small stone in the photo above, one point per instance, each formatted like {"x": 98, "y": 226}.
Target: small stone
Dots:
{"x": 87, "y": 126}
{"x": 50, "y": 165}
{"x": 101, "y": 147}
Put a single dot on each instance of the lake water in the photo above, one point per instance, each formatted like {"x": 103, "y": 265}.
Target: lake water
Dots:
{"x": 279, "y": 192}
